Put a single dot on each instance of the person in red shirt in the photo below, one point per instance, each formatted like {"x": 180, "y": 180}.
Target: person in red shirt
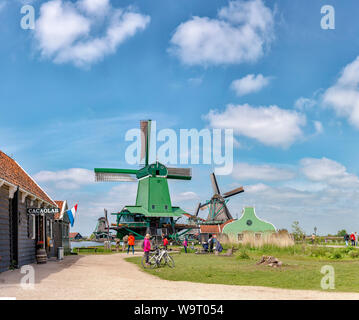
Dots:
{"x": 352, "y": 238}
{"x": 131, "y": 243}
{"x": 165, "y": 242}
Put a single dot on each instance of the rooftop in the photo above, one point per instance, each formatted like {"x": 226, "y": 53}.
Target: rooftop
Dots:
{"x": 14, "y": 174}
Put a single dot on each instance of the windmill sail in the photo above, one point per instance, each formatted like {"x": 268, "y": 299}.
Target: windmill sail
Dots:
{"x": 233, "y": 192}
{"x": 145, "y": 127}
{"x": 114, "y": 175}
{"x": 179, "y": 173}
{"x": 214, "y": 184}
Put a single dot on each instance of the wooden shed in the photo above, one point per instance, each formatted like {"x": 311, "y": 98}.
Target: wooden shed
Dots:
{"x": 62, "y": 228}
{"x": 26, "y": 216}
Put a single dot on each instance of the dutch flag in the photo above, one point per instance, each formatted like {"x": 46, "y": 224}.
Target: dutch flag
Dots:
{"x": 72, "y": 213}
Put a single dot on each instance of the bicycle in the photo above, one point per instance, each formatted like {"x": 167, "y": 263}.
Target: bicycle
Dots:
{"x": 159, "y": 257}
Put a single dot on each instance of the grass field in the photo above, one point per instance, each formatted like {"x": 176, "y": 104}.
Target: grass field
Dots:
{"x": 301, "y": 269}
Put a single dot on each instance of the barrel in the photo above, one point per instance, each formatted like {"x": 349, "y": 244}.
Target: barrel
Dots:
{"x": 41, "y": 256}
{"x": 60, "y": 253}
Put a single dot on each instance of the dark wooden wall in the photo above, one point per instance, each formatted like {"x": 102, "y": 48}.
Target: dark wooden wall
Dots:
{"x": 16, "y": 247}
{"x": 4, "y": 229}
{"x": 26, "y": 246}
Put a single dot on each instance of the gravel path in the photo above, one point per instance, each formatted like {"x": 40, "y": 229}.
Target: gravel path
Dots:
{"x": 111, "y": 277}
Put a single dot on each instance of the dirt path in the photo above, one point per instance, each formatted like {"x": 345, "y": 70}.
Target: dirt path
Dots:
{"x": 111, "y": 277}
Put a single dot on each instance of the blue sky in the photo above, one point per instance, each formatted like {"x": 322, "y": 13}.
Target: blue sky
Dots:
{"x": 69, "y": 92}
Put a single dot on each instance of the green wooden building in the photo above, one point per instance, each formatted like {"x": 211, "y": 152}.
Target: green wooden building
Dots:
{"x": 249, "y": 222}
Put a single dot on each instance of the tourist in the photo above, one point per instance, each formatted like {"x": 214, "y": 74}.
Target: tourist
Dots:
{"x": 210, "y": 243}
{"x": 118, "y": 244}
{"x": 185, "y": 245}
{"x": 352, "y": 238}
{"x": 214, "y": 242}
{"x": 165, "y": 242}
{"x": 124, "y": 242}
{"x": 147, "y": 247}
{"x": 131, "y": 243}
{"x": 356, "y": 239}
{"x": 346, "y": 239}
{"x": 313, "y": 238}
{"x": 219, "y": 247}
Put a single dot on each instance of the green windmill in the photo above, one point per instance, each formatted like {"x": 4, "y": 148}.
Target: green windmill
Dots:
{"x": 153, "y": 212}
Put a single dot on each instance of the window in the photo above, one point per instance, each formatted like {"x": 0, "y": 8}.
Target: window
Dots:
{"x": 240, "y": 236}
{"x": 153, "y": 206}
{"x": 258, "y": 236}
{"x": 31, "y": 221}
{"x": 49, "y": 228}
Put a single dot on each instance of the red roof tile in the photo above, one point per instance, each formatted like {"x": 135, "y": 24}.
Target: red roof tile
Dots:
{"x": 72, "y": 235}
{"x": 214, "y": 228}
{"x": 12, "y": 172}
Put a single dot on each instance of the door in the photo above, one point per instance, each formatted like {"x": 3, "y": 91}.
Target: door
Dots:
{"x": 14, "y": 230}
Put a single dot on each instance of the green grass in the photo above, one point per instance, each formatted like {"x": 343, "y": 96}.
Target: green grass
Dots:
{"x": 301, "y": 269}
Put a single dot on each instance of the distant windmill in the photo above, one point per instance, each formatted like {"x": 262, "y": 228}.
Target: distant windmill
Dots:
{"x": 217, "y": 206}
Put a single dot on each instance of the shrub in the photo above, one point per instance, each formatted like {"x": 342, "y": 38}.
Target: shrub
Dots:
{"x": 317, "y": 252}
{"x": 336, "y": 255}
{"x": 243, "y": 255}
{"x": 354, "y": 254}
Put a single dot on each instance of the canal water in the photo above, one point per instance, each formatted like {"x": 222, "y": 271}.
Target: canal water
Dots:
{"x": 81, "y": 244}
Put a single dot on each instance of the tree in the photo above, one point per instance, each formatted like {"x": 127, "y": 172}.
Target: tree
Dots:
{"x": 297, "y": 231}
{"x": 341, "y": 233}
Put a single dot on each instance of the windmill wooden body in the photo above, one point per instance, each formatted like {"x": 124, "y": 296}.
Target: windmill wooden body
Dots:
{"x": 153, "y": 212}
{"x": 218, "y": 212}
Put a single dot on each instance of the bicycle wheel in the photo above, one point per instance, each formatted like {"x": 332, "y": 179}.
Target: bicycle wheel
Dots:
{"x": 170, "y": 261}
{"x": 162, "y": 262}
{"x": 152, "y": 261}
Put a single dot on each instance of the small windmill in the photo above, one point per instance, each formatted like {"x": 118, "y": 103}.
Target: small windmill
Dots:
{"x": 217, "y": 206}
{"x": 153, "y": 200}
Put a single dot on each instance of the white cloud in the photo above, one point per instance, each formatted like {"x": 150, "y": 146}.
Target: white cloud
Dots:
{"x": 245, "y": 171}
{"x": 95, "y": 7}
{"x": 65, "y": 30}
{"x": 271, "y": 125}
{"x": 195, "y": 81}
{"x": 328, "y": 171}
{"x": 184, "y": 196}
{"x": 249, "y": 84}
{"x": 304, "y": 103}
{"x": 72, "y": 178}
{"x": 318, "y": 127}
{"x": 343, "y": 96}
{"x": 239, "y": 34}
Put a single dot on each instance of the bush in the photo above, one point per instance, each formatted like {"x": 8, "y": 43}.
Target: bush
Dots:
{"x": 336, "y": 255}
{"x": 317, "y": 252}
{"x": 354, "y": 254}
{"x": 243, "y": 255}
